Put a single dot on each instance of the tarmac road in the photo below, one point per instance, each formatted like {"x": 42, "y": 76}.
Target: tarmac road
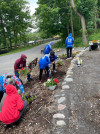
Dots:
{"x": 7, "y": 61}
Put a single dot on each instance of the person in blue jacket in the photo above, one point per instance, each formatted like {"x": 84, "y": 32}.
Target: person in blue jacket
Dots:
{"x": 48, "y": 48}
{"x": 53, "y": 58}
{"x": 6, "y": 79}
{"x": 44, "y": 64}
{"x": 69, "y": 43}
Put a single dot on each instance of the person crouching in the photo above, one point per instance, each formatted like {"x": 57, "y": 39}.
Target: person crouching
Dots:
{"x": 53, "y": 58}
{"x": 13, "y": 106}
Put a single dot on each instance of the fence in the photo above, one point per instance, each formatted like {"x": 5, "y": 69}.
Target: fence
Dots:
{"x": 5, "y": 49}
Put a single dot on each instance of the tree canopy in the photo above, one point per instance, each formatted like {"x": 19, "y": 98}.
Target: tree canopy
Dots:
{"x": 14, "y": 20}
{"x": 58, "y": 17}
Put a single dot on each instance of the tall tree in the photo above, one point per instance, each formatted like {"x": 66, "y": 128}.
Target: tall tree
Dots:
{"x": 82, "y": 22}
{"x": 15, "y": 19}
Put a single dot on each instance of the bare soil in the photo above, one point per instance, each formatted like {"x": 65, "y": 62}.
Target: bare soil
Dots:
{"x": 37, "y": 118}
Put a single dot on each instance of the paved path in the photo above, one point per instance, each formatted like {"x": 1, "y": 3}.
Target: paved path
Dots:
{"x": 78, "y": 102}
{"x": 7, "y": 61}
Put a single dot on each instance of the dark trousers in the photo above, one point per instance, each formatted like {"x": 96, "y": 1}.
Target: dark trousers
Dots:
{"x": 41, "y": 71}
{"x": 53, "y": 64}
{"x": 69, "y": 52}
{"x": 1, "y": 95}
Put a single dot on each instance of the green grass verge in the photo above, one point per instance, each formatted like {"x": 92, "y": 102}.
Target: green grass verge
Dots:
{"x": 23, "y": 48}
{"x": 78, "y": 40}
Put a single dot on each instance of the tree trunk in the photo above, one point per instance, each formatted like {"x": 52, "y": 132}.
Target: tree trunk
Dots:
{"x": 96, "y": 14}
{"x": 10, "y": 42}
{"x": 15, "y": 36}
{"x": 72, "y": 23}
{"x": 82, "y": 21}
{"x": 68, "y": 27}
{"x": 3, "y": 31}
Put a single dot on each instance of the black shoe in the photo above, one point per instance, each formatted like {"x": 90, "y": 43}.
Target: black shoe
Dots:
{"x": 30, "y": 79}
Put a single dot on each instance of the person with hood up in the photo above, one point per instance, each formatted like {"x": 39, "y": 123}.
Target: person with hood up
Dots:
{"x": 53, "y": 58}
{"x": 69, "y": 43}
{"x": 6, "y": 79}
{"x": 48, "y": 48}
{"x": 19, "y": 64}
{"x": 44, "y": 65}
{"x": 13, "y": 106}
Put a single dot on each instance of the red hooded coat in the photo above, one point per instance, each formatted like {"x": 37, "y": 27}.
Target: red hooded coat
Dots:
{"x": 12, "y": 106}
{"x": 20, "y": 63}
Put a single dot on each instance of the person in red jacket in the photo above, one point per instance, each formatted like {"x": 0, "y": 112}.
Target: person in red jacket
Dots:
{"x": 13, "y": 106}
{"x": 19, "y": 64}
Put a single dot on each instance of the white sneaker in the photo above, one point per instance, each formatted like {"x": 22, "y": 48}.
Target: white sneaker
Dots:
{"x": 54, "y": 71}
{"x": 69, "y": 58}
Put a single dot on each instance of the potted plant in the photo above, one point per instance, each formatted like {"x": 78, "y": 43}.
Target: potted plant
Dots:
{"x": 95, "y": 42}
{"x": 51, "y": 83}
{"x": 79, "y": 62}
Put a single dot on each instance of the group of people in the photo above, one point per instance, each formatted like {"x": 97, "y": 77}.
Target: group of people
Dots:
{"x": 50, "y": 56}
{"x": 13, "y": 105}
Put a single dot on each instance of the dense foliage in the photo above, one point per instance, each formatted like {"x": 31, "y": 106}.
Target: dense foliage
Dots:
{"x": 57, "y": 17}
{"x": 14, "y": 20}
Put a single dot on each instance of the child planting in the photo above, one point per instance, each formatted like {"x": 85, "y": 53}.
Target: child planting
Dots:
{"x": 53, "y": 58}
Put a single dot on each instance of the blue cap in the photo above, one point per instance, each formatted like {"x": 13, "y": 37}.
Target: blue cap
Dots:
{"x": 51, "y": 43}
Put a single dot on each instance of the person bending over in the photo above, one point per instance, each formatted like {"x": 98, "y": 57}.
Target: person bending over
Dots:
{"x": 19, "y": 64}
{"x": 48, "y": 48}
{"x": 44, "y": 65}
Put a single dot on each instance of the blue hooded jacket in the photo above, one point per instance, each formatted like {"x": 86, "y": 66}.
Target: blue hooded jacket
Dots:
{"x": 69, "y": 41}
{"x": 3, "y": 83}
{"x": 53, "y": 58}
{"x": 44, "y": 62}
{"x": 48, "y": 48}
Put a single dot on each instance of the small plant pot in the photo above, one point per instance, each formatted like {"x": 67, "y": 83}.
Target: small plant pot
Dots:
{"x": 52, "y": 87}
{"x": 24, "y": 79}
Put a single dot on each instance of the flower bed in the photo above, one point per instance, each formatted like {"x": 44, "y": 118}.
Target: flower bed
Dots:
{"x": 29, "y": 96}
{"x": 38, "y": 118}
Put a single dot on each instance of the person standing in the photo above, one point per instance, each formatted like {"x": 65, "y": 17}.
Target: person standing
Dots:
{"x": 69, "y": 43}
{"x": 19, "y": 64}
{"x": 48, "y": 48}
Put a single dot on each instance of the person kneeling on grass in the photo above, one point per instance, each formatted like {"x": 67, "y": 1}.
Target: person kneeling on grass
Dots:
{"x": 6, "y": 79}
{"x": 53, "y": 57}
{"x": 13, "y": 106}
{"x": 44, "y": 64}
